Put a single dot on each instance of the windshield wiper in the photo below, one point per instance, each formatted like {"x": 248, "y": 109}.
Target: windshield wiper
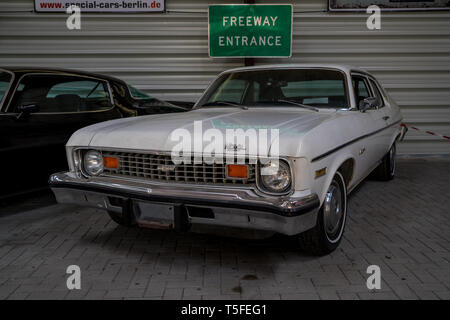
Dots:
{"x": 226, "y": 103}
{"x": 298, "y": 104}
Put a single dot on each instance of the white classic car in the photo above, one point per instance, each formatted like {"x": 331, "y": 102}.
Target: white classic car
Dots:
{"x": 330, "y": 126}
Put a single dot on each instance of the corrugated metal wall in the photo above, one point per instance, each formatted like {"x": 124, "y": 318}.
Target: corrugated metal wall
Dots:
{"x": 163, "y": 54}
{"x": 166, "y": 54}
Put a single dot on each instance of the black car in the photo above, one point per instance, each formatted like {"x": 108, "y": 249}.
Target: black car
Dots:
{"x": 41, "y": 108}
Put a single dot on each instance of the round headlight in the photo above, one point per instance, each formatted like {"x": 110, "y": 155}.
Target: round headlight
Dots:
{"x": 276, "y": 178}
{"x": 93, "y": 163}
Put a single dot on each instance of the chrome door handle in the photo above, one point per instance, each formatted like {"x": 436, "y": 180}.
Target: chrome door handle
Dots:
{"x": 386, "y": 117}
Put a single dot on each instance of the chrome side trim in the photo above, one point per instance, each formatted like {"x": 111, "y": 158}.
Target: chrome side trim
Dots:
{"x": 326, "y": 154}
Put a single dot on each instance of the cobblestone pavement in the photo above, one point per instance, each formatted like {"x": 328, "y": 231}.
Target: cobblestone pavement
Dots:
{"x": 402, "y": 226}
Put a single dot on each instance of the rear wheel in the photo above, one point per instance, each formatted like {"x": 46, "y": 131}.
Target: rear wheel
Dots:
{"x": 327, "y": 234}
{"x": 386, "y": 170}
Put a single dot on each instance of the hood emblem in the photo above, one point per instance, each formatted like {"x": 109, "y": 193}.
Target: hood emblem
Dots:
{"x": 166, "y": 167}
{"x": 234, "y": 147}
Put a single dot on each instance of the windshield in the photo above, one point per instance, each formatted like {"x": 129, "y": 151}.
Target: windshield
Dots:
{"x": 319, "y": 88}
{"x": 5, "y": 79}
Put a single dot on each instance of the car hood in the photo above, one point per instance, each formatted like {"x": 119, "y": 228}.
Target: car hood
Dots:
{"x": 154, "y": 132}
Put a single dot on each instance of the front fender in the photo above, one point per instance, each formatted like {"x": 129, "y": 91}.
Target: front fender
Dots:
{"x": 321, "y": 184}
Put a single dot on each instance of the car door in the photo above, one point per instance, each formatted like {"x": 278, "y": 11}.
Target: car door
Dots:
{"x": 382, "y": 114}
{"x": 33, "y": 145}
{"x": 374, "y": 122}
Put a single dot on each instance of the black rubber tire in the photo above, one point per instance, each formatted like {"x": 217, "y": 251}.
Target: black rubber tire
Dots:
{"x": 120, "y": 219}
{"x": 386, "y": 171}
{"x": 315, "y": 241}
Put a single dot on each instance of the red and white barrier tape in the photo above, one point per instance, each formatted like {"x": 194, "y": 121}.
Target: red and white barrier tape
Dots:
{"x": 427, "y": 131}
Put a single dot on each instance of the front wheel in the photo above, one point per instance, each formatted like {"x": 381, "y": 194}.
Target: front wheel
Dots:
{"x": 327, "y": 234}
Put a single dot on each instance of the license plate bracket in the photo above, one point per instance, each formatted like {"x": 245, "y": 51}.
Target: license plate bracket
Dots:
{"x": 161, "y": 215}
{"x": 154, "y": 215}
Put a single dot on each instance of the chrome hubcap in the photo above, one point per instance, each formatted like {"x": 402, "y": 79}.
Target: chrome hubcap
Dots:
{"x": 333, "y": 210}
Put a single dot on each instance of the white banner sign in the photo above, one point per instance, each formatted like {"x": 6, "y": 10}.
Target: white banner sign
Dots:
{"x": 100, "y": 5}
{"x": 361, "y": 5}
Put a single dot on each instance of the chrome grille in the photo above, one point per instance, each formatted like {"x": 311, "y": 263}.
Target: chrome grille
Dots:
{"x": 149, "y": 166}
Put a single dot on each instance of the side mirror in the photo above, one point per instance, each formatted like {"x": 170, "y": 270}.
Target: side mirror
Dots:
{"x": 367, "y": 103}
{"x": 26, "y": 109}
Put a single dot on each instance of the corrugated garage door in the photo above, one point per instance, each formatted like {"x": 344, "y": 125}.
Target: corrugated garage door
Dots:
{"x": 166, "y": 54}
{"x": 163, "y": 54}
{"x": 410, "y": 56}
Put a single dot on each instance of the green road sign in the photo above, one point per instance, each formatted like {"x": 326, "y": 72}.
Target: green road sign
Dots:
{"x": 250, "y": 30}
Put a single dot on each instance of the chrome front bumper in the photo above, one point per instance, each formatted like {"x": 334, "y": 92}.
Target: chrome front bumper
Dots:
{"x": 231, "y": 207}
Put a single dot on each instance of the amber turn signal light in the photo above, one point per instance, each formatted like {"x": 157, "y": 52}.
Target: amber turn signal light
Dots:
{"x": 237, "y": 171}
{"x": 321, "y": 172}
{"x": 111, "y": 163}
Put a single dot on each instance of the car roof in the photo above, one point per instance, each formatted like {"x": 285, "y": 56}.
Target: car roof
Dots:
{"x": 20, "y": 70}
{"x": 342, "y": 67}
{"x": 24, "y": 69}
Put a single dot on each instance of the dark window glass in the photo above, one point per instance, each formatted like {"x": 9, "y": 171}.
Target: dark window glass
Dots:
{"x": 317, "y": 87}
{"x": 361, "y": 89}
{"x": 58, "y": 93}
{"x": 137, "y": 94}
{"x": 146, "y": 101}
{"x": 5, "y": 79}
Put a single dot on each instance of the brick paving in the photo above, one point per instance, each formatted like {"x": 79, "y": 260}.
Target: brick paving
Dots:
{"x": 402, "y": 226}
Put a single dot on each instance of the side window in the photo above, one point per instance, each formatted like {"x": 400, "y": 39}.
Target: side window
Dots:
{"x": 5, "y": 79}
{"x": 377, "y": 93}
{"x": 61, "y": 93}
{"x": 137, "y": 94}
{"x": 361, "y": 88}
{"x": 83, "y": 89}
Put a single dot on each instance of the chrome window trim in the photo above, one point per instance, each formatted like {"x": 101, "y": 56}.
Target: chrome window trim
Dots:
{"x": 8, "y": 88}
{"x": 111, "y": 100}
{"x": 382, "y": 90}
{"x": 255, "y": 187}
{"x": 366, "y": 78}
{"x": 347, "y": 89}
{"x": 377, "y": 86}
